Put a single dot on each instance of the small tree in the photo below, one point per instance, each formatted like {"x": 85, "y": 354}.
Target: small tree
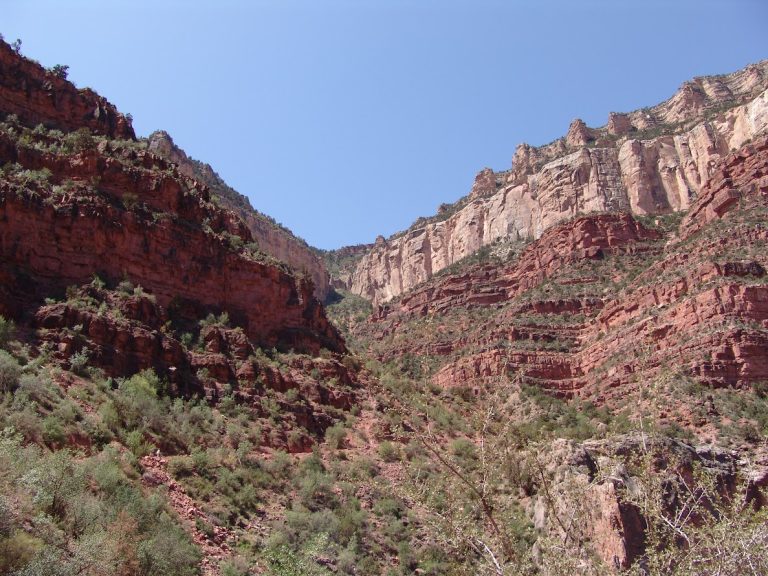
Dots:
{"x": 60, "y": 71}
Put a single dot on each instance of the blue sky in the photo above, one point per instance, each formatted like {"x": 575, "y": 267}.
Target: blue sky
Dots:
{"x": 345, "y": 119}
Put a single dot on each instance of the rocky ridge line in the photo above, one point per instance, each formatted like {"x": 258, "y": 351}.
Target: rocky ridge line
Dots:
{"x": 272, "y": 239}
{"x": 39, "y": 96}
{"x": 652, "y": 161}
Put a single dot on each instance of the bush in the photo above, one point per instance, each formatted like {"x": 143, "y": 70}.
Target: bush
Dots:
{"x": 10, "y": 371}
{"x": 7, "y": 331}
{"x": 389, "y": 452}
{"x": 79, "y": 141}
{"x": 60, "y": 71}
{"x": 180, "y": 466}
{"x": 78, "y": 362}
{"x": 464, "y": 451}
{"x": 136, "y": 443}
{"x": 316, "y": 490}
{"x": 335, "y": 435}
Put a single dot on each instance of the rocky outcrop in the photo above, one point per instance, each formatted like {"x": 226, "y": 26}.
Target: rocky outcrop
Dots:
{"x": 272, "y": 239}
{"x": 144, "y": 221}
{"x": 653, "y": 161}
{"x": 743, "y": 178}
{"x": 584, "y": 238}
{"x": 341, "y": 263}
{"x": 123, "y": 332}
{"x": 39, "y": 96}
{"x": 596, "y": 492}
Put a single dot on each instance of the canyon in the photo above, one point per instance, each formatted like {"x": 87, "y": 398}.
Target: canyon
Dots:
{"x": 560, "y": 373}
{"x": 602, "y": 305}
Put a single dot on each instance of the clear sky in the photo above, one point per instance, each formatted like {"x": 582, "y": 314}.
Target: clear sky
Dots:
{"x": 345, "y": 119}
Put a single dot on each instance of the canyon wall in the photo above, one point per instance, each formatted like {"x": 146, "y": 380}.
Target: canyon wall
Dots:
{"x": 272, "y": 239}
{"x": 79, "y": 196}
{"x": 651, "y": 161}
{"x": 147, "y": 223}
{"x": 39, "y": 96}
{"x": 600, "y": 306}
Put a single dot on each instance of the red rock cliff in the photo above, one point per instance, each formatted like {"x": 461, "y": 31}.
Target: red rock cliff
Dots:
{"x": 96, "y": 202}
{"x": 38, "y": 96}
{"x": 271, "y": 238}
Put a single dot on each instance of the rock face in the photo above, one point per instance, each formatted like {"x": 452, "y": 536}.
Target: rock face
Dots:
{"x": 75, "y": 205}
{"x": 652, "y": 161}
{"x": 271, "y": 238}
{"x": 599, "y": 473}
{"x": 123, "y": 333}
{"x": 147, "y": 226}
{"x": 38, "y": 96}
{"x": 585, "y": 238}
{"x": 602, "y": 305}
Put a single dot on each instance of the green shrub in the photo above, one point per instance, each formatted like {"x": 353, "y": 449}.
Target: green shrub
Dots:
{"x": 7, "y": 331}
{"x": 53, "y": 432}
{"x": 137, "y": 444}
{"x": 180, "y": 466}
{"x": 10, "y": 371}
{"x": 316, "y": 490}
{"x": 78, "y": 362}
{"x": 335, "y": 435}
{"x": 389, "y": 451}
{"x": 79, "y": 141}
{"x": 464, "y": 451}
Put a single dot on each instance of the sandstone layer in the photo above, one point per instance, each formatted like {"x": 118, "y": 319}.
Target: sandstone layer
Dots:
{"x": 79, "y": 196}
{"x": 652, "y": 161}
{"x": 149, "y": 224}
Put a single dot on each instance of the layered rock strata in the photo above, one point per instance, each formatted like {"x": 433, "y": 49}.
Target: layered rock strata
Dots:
{"x": 87, "y": 199}
{"x": 652, "y": 161}
{"x": 157, "y": 229}
{"x": 39, "y": 96}
{"x": 602, "y": 305}
{"x": 123, "y": 332}
{"x": 271, "y": 238}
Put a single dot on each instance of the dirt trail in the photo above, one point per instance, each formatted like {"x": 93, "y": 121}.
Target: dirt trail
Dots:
{"x": 215, "y": 547}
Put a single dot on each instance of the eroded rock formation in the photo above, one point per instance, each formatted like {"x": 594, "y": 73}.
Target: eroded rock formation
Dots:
{"x": 91, "y": 202}
{"x": 601, "y": 305}
{"x": 652, "y": 161}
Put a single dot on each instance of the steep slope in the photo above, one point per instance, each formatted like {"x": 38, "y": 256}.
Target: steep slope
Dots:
{"x": 75, "y": 204}
{"x": 600, "y": 306}
{"x": 652, "y": 161}
{"x": 163, "y": 369}
{"x": 272, "y": 239}
{"x": 152, "y": 356}
{"x": 144, "y": 221}
{"x": 37, "y": 95}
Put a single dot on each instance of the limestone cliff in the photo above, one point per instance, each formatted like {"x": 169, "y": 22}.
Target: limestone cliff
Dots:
{"x": 272, "y": 238}
{"x": 651, "y": 161}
